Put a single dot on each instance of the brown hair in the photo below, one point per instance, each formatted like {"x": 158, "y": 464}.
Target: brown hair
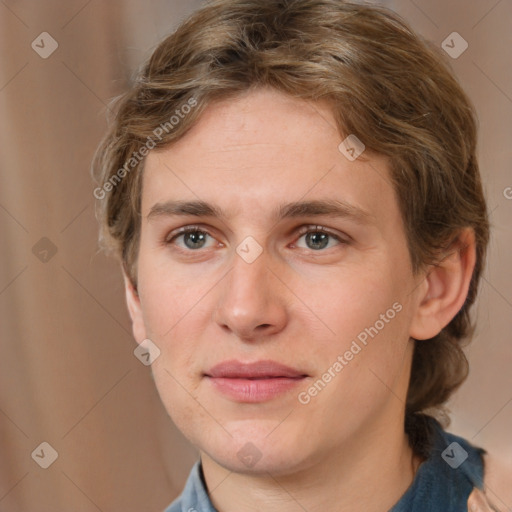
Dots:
{"x": 386, "y": 85}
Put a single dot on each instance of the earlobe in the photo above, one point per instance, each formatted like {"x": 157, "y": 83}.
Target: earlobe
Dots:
{"x": 135, "y": 310}
{"x": 446, "y": 288}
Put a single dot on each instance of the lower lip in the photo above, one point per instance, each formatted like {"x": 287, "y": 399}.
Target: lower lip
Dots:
{"x": 254, "y": 390}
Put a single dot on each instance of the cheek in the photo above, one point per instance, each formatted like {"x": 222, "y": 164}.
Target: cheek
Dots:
{"x": 366, "y": 314}
{"x": 181, "y": 400}
{"x": 171, "y": 320}
{"x": 358, "y": 380}
{"x": 169, "y": 296}
{"x": 348, "y": 302}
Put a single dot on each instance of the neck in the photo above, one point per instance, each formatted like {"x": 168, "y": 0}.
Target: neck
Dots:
{"x": 369, "y": 474}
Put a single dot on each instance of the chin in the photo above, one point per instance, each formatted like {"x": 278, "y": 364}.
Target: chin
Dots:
{"x": 251, "y": 464}
{"x": 255, "y": 452}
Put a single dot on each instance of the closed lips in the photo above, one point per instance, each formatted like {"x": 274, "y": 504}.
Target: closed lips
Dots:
{"x": 267, "y": 369}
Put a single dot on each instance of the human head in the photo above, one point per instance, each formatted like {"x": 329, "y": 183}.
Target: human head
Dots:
{"x": 384, "y": 85}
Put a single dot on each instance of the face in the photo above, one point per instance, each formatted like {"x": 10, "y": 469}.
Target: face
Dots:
{"x": 324, "y": 287}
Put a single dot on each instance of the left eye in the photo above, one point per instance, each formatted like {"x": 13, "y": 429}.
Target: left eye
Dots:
{"x": 318, "y": 239}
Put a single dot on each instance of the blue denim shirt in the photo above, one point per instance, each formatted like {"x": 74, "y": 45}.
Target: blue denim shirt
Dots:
{"x": 443, "y": 482}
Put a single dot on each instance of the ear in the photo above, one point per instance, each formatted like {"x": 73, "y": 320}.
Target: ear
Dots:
{"x": 445, "y": 288}
{"x": 134, "y": 308}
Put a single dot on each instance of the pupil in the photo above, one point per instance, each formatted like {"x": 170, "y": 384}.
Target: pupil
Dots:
{"x": 195, "y": 237}
{"x": 318, "y": 240}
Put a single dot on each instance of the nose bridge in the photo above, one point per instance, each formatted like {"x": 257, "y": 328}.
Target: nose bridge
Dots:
{"x": 248, "y": 282}
{"x": 249, "y": 299}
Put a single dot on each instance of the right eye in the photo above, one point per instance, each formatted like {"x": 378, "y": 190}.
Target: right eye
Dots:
{"x": 192, "y": 237}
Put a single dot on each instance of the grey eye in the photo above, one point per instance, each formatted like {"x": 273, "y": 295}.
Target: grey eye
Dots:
{"x": 317, "y": 240}
{"x": 194, "y": 239}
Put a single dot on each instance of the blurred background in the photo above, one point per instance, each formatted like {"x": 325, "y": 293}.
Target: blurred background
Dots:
{"x": 68, "y": 375}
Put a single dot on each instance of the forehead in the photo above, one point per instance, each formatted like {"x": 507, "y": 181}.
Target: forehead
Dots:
{"x": 248, "y": 154}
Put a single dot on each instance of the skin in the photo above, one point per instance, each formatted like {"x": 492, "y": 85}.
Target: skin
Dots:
{"x": 295, "y": 304}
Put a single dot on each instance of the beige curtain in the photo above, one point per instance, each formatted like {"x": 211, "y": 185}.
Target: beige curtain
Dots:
{"x": 68, "y": 376}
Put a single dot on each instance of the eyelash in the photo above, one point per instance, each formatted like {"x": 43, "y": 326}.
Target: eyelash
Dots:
{"x": 303, "y": 231}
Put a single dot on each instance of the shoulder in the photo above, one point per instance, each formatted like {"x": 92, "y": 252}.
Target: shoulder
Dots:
{"x": 497, "y": 486}
{"x": 175, "y": 506}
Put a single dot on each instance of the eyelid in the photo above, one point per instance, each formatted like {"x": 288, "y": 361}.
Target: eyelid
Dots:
{"x": 184, "y": 229}
{"x": 315, "y": 227}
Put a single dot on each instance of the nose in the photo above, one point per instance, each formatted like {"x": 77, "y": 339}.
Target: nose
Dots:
{"x": 251, "y": 301}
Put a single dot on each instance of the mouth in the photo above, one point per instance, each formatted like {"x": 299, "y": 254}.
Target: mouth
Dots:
{"x": 253, "y": 382}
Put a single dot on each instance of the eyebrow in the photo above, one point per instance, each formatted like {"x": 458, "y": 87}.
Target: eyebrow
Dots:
{"x": 324, "y": 207}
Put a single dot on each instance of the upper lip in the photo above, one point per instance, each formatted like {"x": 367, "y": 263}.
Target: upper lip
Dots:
{"x": 234, "y": 369}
